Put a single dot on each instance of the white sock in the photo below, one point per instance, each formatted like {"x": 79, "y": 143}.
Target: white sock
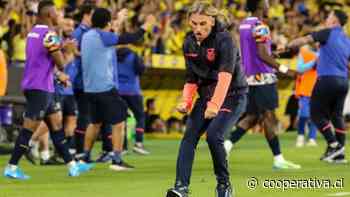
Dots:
{"x": 138, "y": 144}
{"x": 71, "y": 164}
{"x": 278, "y": 158}
{"x": 12, "y": 167}
{"x": 45, "y": 155}
{"x": 72, "y": 151}
{"x": 334, "y": 144}
{"x": 32, "y": 142}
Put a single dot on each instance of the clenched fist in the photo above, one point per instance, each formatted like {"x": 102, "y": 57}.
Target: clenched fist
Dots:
{"x": 211, "y": 111}
{"x": 182, "y": 107}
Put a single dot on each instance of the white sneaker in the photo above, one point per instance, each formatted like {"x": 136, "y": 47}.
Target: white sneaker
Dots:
{"x": 121, "y": 166}
{"x": 124, "y": 152}
{"x": 300, "y": 141}
{"x": 140, "y": 149}
{"x": 285, "y": 165}
{"x": 228, "y": 145}
{"x": 340, "y": 159}
{"x": 311, "y": 143}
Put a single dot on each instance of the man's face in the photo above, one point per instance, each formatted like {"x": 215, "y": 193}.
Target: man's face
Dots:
{"x": 201, "y": 25}
{"x": 331, "y": 20}
{"x": 68, "y": 27}
{"x": 54, "y": 15}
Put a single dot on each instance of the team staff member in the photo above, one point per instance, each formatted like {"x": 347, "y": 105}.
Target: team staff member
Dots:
{"x": 100, "y": 77}
{"x": 329, "y": 93}
{"x": 65, "y": 95}
{"x": 214, "y": 71}
{"x": 130, "y": 67}
{"x": 85, "y": 13}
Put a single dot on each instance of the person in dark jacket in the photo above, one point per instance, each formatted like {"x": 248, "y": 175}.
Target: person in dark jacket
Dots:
{"x": 214, "y": 72}
{"x": 130, "y": 66}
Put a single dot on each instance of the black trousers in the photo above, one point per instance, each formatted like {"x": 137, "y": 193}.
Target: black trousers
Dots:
{"x": 327, "y": 102}
{"x": 83, "y": 110}
{"x": 135, "y": 104}
{"x": 228, "y": 115}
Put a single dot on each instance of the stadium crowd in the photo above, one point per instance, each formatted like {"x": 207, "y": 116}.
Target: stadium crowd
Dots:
{"x": 287, "y": 19}
{"x": 83, "y": 59}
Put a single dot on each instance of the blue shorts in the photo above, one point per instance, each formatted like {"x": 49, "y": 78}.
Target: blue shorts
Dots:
{"x": 40, "y": 104}
{"x": 304, "y": 107}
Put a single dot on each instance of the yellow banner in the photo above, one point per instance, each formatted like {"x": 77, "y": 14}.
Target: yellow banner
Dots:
{"x": 168, "y": 61}
{"x": 178, "y": 61}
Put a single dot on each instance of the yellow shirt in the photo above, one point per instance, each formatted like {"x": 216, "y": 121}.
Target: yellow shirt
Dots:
{"x": 173, "y": 44}
{"x": 276, "y": 11}
{"x": 3, "y": 30}
{"x": 59, "y": 3}
{"x": 15, "y": 16}
{"x": 347, "y": 26}
{"x": 19, "y": 48}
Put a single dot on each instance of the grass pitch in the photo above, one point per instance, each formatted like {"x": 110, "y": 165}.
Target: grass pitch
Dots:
{"x": 154, "y": 174}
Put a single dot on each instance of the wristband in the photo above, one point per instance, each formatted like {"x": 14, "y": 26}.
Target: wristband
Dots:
{"x": 283, "y": 69}
{"x": 57, "y": 73}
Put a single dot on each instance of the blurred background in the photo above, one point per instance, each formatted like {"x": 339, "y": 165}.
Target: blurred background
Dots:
{"x": 162, "y": 83}
{"x": 161, "y": 49}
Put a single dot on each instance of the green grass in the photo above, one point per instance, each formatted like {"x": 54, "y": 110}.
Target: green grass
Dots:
{"x": 155, "y": 173}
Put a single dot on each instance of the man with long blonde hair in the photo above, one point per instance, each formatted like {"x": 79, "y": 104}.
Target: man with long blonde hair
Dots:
{"x": 214, "y": 72}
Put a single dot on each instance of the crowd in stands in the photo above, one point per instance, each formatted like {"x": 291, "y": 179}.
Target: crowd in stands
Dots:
{"x": 288, "y": 19}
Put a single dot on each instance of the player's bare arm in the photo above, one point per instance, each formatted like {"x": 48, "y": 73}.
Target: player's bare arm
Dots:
{"x": 300, "y": 42}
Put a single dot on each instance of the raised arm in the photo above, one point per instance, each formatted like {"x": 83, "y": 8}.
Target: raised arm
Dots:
{"x": 318, "y": 36}
{"x": 301, "y": 41}
{"x": 303, "y": 66}
{"x": 53, "y": 44}
{"x": 127, "y": 38}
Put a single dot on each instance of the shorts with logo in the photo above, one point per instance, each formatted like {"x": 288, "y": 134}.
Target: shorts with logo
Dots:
{"x": 68, "y": 104}
{"x": 40, "y": 104}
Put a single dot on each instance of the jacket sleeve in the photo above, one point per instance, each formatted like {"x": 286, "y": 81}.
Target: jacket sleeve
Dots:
{"x": 227, "y": 62}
